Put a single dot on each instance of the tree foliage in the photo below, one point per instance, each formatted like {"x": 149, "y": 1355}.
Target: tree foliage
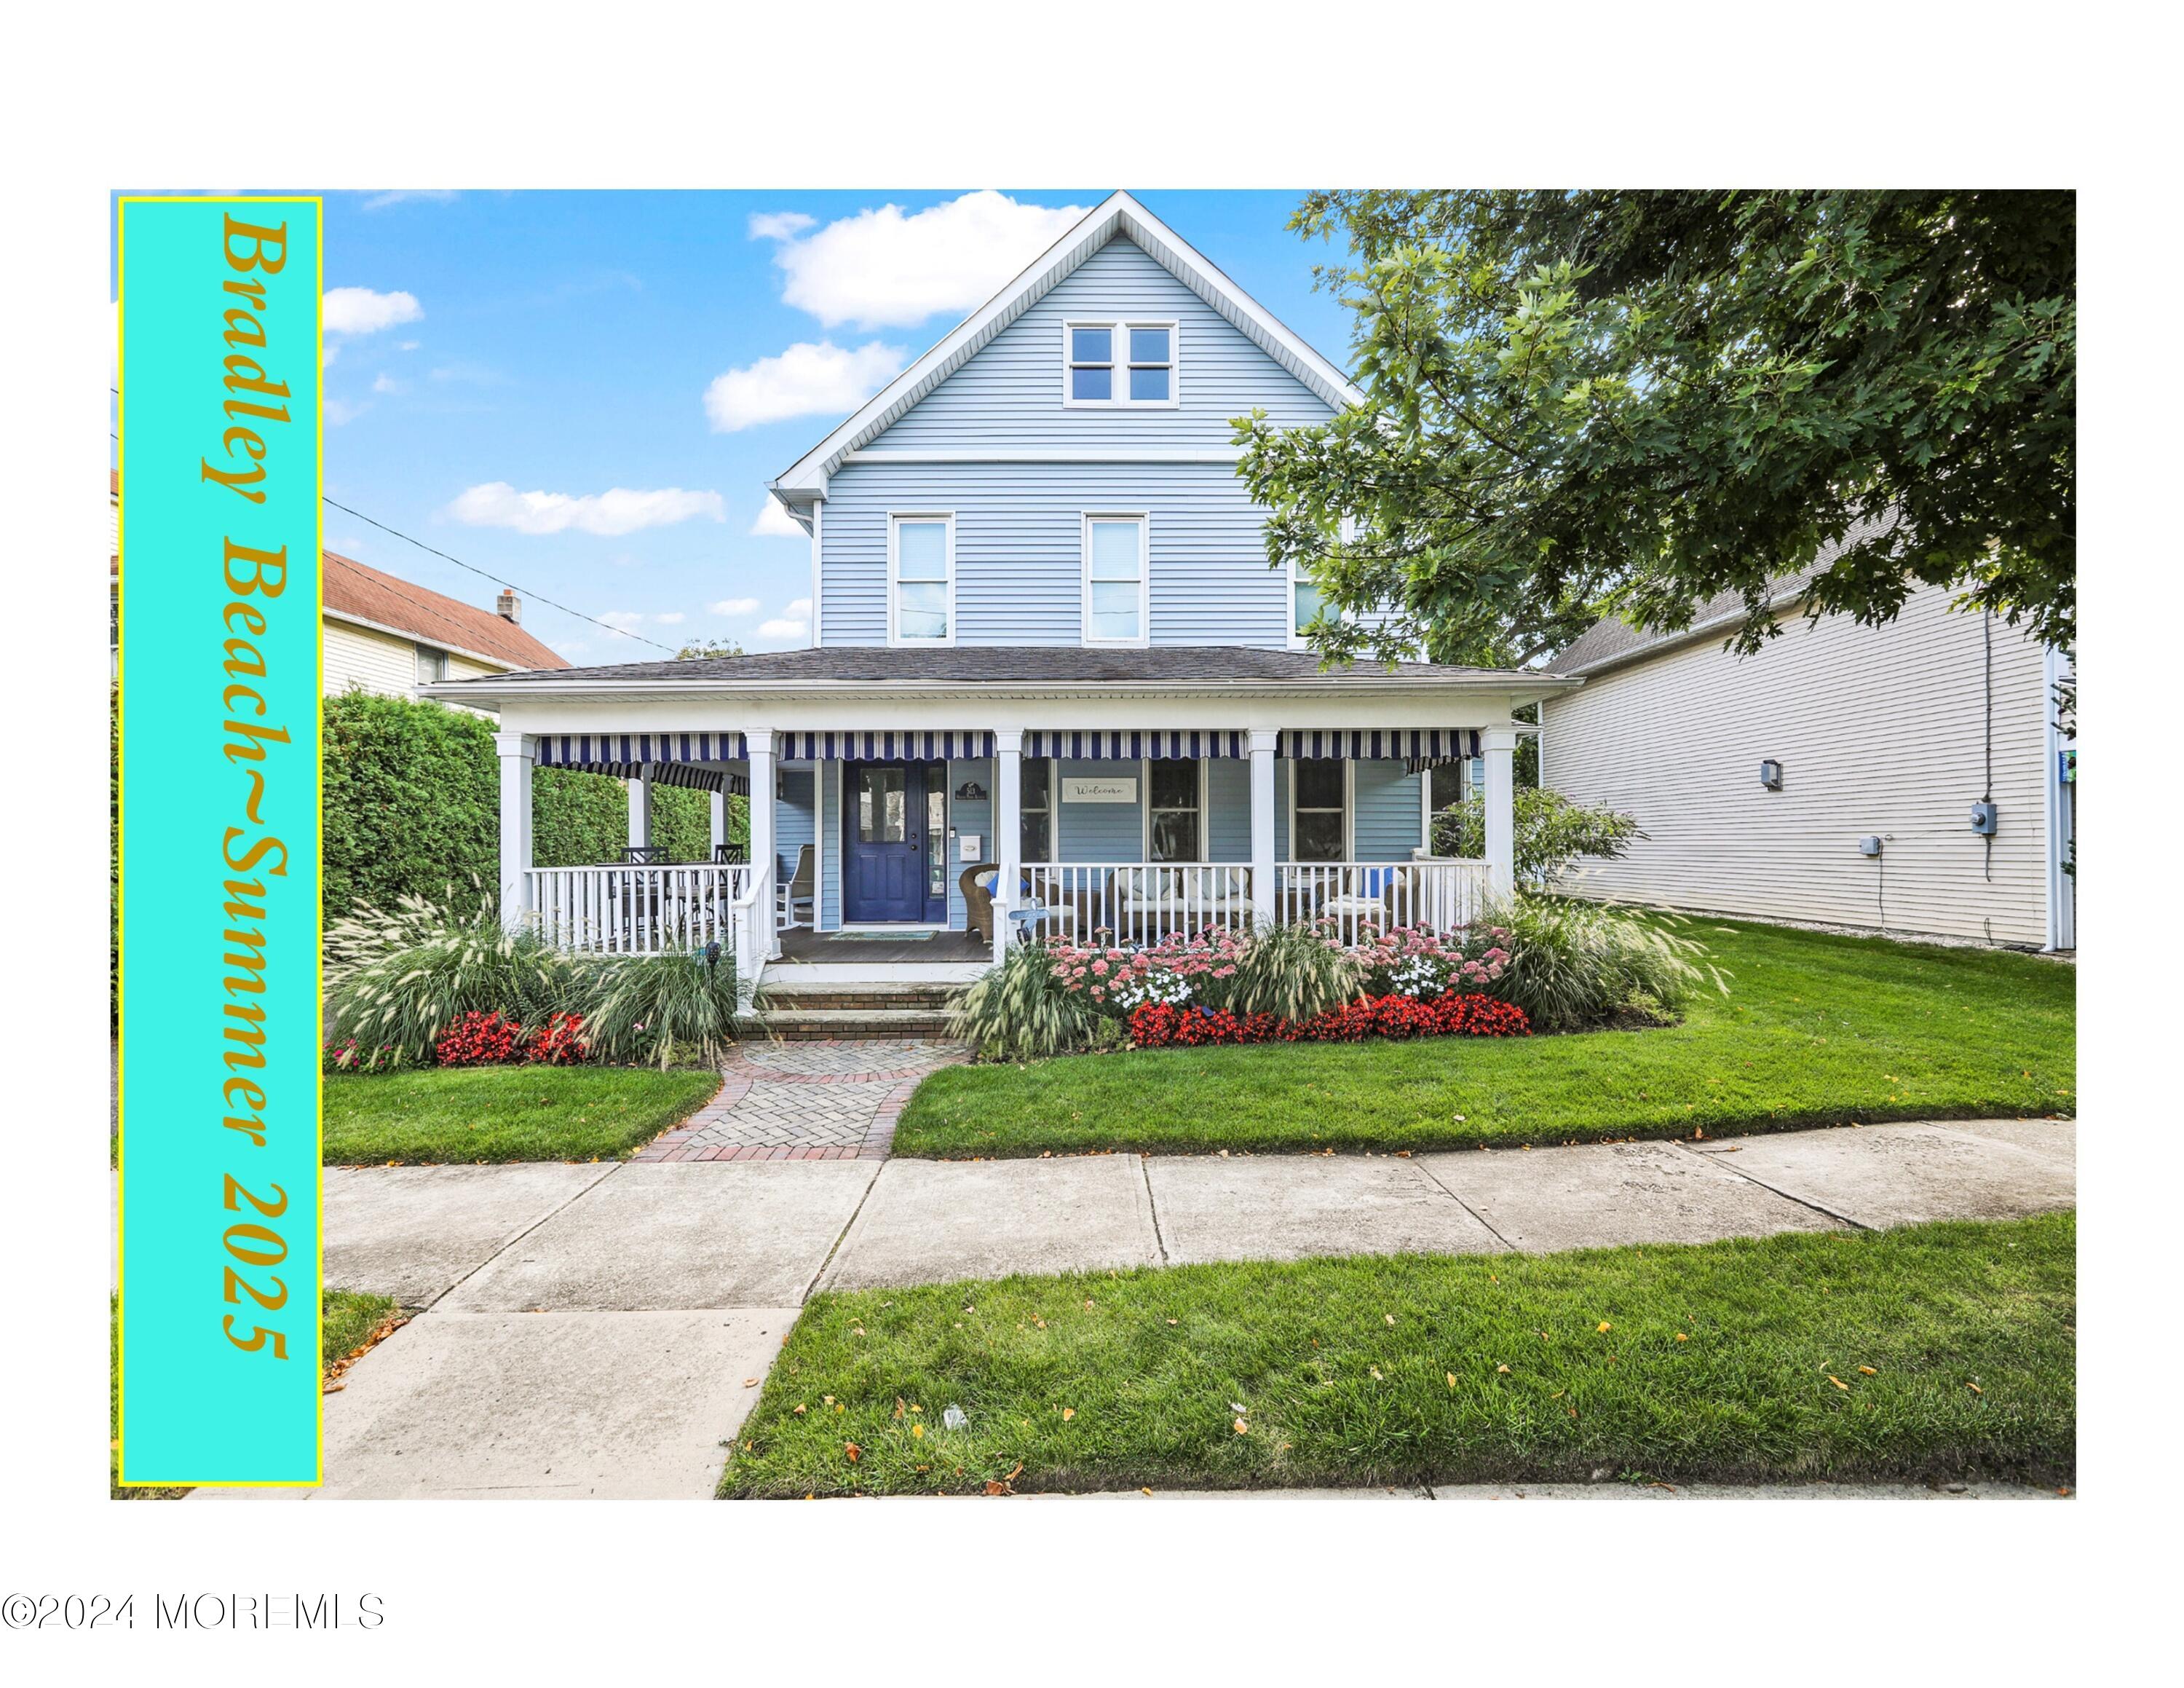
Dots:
{"x": 1590, "y": 402}
{"x": 1552, "y": 833}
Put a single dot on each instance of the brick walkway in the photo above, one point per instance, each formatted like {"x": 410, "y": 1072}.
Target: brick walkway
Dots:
{"x": 806, "y": 1101}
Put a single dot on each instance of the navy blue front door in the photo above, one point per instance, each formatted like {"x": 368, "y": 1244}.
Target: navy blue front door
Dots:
{"x": 887, "y": 841}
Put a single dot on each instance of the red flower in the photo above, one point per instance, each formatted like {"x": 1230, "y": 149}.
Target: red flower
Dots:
{"x": 477, "y": 1040}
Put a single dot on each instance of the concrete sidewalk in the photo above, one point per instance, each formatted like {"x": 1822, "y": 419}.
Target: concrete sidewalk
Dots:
{"x": 603, "y": 1330}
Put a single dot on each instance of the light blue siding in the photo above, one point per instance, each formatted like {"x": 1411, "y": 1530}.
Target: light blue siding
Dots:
{"x": 830, "y": 846}
{"x": 1098, "y": 832}
{"x": 1229, "y": 806}
{"x": 1385, "y": 828}
{"x": 1020, "y": 548}
{"x": 1011, "y": 393}
{"x": 794, "y": 819}
{"x": 972, "y": 817}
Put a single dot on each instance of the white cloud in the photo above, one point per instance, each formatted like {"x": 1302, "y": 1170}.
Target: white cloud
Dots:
{"x": 620, "y": 511}
{"x": 882, "y": 268}
{"x": 794, "y": 622}
{"x": 671, "y": 618}
{"x": 328, "y": 351}
{"x": 776, "y": 523}
{"x": 384, "y": 382}
{"x": 359, "y": 311}
{"x": 379, "y": 202}
{"x": 409, "y": 345}
{"x": 733, "y": 607}
{"x": 338, "y": 413}
{"x": 624, "y": 619}
{"x": 780, "y": 225}
{"x": 805, "y": 380}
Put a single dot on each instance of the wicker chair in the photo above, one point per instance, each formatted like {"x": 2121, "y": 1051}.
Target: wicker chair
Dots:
{"x": 977, "y": 883}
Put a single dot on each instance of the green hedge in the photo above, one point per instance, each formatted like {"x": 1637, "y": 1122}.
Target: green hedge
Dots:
{"x": 413, "y": 803}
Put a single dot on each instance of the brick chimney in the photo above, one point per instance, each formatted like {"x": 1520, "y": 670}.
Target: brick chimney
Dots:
{"x": 509, "y": 607}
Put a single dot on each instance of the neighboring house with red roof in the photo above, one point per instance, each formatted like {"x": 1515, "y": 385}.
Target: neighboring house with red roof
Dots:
{"x": 387, "y": 634}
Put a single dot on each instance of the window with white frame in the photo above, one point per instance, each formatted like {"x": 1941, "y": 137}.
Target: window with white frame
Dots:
{"x": 922, "y": 566}
{"x": 1119, "y": 363}
{"x": 1035, "y": 810}
{"x": 1305, "y": 602}
{"x": 1319, "y": 810}
{"x": 1172, "y": 805}
{"x": 1116, "y": 605}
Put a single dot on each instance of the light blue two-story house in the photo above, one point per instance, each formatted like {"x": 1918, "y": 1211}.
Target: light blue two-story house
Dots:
{"x": 1050, "y": 668}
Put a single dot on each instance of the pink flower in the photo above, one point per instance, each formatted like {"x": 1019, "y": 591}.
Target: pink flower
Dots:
{"x": 1099, "y": 969}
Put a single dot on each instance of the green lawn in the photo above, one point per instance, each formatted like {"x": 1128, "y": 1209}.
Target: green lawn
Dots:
{"x": 506, "y": 1113}
{"x": 1816, "y": 1030}
{"x": 1670, "y": 1363}
{"x": 350, "y": 1319}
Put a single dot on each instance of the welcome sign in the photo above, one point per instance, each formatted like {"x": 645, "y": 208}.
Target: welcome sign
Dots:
{"x": 1093, "y": 790}
{"x": 219, "y": 706}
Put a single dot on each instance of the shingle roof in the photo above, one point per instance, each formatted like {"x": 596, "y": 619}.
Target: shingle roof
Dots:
{"x": 1613, "y": 640}
{"x": 355, "y": 589}
{"x": 1049, "y": 664}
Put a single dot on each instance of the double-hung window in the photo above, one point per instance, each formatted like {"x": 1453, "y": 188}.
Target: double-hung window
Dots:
{"x": 922, "y": 586}
{"x": 1035, "y": 808}
{"x": 1318, "y": 817}
{"x": 1119, "y": 364}
{"x": 1172, "y": 823}
{"x": 431, "y": 665}
{"x": 1304, "y": 603}
{"x": 1116, "y": 605}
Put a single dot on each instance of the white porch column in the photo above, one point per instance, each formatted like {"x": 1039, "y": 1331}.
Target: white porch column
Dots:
{"x": 1500, "y": 793}
{"x": 640, "y": 808}
{"x": 519, "y": 751}
{"x": 760, "y": 742}
{"x": 1263, "y": 740}
{"x": 718, "y": 830}
{"x": 1008, "y": 828}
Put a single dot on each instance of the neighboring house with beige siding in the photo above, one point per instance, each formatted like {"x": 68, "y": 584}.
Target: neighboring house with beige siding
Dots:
{"x": 383, "y": 633}
{"x": 1888, "y": 733}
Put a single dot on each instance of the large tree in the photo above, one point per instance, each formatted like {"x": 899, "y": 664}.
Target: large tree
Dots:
{"x": 1579, "y": 402}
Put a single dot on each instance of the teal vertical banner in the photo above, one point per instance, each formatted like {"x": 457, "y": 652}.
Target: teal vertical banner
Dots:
{"x": 219, "y": 689}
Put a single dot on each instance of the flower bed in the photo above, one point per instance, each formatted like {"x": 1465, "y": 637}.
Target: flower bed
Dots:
{"x": 1157, "y": 1025}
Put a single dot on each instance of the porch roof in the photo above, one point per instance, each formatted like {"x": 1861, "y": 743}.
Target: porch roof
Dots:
{"x": 856, "y": 666}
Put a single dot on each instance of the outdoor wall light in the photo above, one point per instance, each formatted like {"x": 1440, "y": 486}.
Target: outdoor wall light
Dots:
{"x": 1771, "y": 775}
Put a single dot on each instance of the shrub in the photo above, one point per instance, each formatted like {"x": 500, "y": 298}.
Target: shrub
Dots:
{"x": 400, "y": 978}
{"x": 1293, "y": 973}
{"x": 346, "y": 1054}
{"x": 665, "y": 1008}
{"x": 1575, "y": 965}
{"x": 1023, "y": 1008}
{"x": 412, "y": 801}
{"x": 1552, "y": 833}
{"x": 477, "y": 1040}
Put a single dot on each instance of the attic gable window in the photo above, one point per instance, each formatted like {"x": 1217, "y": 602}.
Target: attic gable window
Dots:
{"x": 1117, "y": 365}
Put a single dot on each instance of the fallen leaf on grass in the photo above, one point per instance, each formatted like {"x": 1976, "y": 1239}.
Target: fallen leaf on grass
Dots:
{"x": 917, "y": 1430}
{"x": 1242, "y": 1428}
{"x": 1868, "y": 1371}
{"x": 853, "y": 1450}
{"x": 799, "y": 1408}
{"x": 1068, "y": 1413}
{"x": 1451, "y": 1377}
{"x": 1603, "y": 1327}
{"x": 1389, "y": 1317}
{"x": 1144, "y": 1491}
{"x": 1838, "y": 1381}
{"x": 1976, "y": 1389}
{"x": 1680, "y": 1336}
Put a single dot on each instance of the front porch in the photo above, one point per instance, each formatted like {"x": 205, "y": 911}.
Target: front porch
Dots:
{"x": 919, "y": 855}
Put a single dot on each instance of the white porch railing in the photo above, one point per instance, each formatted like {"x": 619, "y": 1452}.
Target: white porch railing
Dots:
{"x": 1142, "y": 904}
{"x": 616, "y": 910}
{"x": 1440, "y": 895}
{"x": 1137, "y": 902}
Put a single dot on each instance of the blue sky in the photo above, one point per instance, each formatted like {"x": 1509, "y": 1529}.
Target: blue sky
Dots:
{"x": 571, "y": 344}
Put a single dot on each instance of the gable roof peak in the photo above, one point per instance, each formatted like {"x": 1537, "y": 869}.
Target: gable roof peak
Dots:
{"x": 1117, "y": 215}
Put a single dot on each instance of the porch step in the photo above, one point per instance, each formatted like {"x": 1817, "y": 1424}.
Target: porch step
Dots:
{"x": 858, "y": 994}
{"x": 803, "y": 1025}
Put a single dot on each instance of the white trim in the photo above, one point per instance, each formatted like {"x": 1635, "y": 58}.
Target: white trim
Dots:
{"x": 894, "y": 927}
{"x": 1145, "y": 814}
{"x": 1145, "y": 634}
{"x": 818, "y": 580}
{"x": 1119, "y": 214}
{"x": 1058, "y": 454}
{"x": 2061, "y": 886}
{"x": 500, "y": 665}
{"x": 1349, "y": 807}
{"x": 1119, "y": 364}
{"x": 895, "y": 519}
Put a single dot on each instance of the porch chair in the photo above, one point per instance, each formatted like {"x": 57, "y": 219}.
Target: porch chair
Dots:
{"x": 800, "y": 892}
{"x": 644, "y": 856}
{"x": 1143, "y": 895}
{"x": 1367, "y": 896}
{"x": 977, "y": 885}
{"x": 730, "y": 855}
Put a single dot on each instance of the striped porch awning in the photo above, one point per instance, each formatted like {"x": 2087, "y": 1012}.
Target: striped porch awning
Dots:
{"x": 1106, "y": 744}
{"x": 883, "y": 747}
{"x": 1420, "y": 746}
{"x": 670, "y": 759}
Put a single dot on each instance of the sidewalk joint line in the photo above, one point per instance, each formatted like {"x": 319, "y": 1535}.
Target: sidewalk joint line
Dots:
{"x": 843, "y": 1236}
{"x": 1152, "y": 1207}
{"x": 509, "y": 1242}
{"x": 1427, "y": 1173}
{"x": 1753, "y": 1178}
